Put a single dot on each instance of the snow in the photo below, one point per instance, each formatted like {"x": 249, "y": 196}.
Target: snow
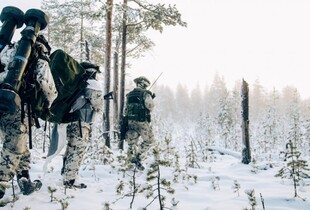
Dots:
{"x": 213, "y": 189}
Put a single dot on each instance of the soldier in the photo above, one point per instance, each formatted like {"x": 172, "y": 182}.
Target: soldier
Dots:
{"x": 15, "y": 155}
{"x": 78, "y": 132}
{"x": 139, "y": 105}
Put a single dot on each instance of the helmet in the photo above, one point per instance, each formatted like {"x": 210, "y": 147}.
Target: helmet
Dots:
{"x": 142, "y": 82}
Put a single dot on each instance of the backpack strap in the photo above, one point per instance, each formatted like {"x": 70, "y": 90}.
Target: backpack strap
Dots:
{"x": 29, "y": 82}
{"x": 29, "y": 124}
{"x": 80, "y": 126}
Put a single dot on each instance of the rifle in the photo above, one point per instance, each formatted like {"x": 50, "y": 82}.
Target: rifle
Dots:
{"x": 108, "y": 96}
{"x": 155, "y": 80}
{"x": 153, "y": 94}
{"x": 123, "y": 127}
{"x": 123, "y": 123}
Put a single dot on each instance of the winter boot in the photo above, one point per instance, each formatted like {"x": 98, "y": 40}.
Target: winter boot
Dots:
{"x": 63, "y": 166}
{"x": 70, "y": 184}
{"x": 137, "y": 162}
{"x": 26, "y": 186}
{"x": 3, "y": 186}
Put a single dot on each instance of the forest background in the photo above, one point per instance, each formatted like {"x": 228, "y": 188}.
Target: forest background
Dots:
{"x": 210, "y": 113}
{"x": 194, "y": 119}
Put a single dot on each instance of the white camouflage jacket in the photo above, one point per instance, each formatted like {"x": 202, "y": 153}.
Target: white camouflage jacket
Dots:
{"x": 42, "y": 71}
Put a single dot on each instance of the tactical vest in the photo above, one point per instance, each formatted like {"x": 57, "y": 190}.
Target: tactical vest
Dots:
{"x": 135, "y": 107}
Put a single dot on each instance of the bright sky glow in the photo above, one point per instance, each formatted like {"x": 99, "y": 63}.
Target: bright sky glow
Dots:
{"x": 264, "y": 40}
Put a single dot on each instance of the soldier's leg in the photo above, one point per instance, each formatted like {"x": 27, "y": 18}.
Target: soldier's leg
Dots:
{"x": 24, "y": 165}
{"x": 14, "y": 146}
{"x": 134, "y": 149}
{"x": 132, "y": 137}
{"x": 76, "y": 149}
{"x": 23, "y": 177}
{"x": 147, "y": 136}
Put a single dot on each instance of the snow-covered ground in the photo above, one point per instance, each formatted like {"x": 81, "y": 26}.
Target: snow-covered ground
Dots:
{"x": 216, "y": 187}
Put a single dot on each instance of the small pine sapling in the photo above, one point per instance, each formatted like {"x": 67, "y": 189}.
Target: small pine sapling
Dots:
{"x": 236, "y": 187}
{"x": 252, "y": 199}
{"x": 182, "y": 174}
{"x": 295, "y": 167}
{"x": 52, "y": 190}
{"x": 168, "y": 150}
{"x": 262, "y": 200}
{"x": 191, "y": 156}
{"x": 215, "y": 183}
{"x": 133, "y": 185}
{"x": 160, "y": 184}
{"x": 106, "y": 206}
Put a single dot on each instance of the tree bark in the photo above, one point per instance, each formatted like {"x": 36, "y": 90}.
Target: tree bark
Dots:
{"x": 246, "y": 151}
{"x": 123, "y": 71}
{"x": 115, "y": 91}
{"x": 106, "y": 103}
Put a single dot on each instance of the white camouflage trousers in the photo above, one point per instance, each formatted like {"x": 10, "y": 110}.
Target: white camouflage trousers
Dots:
{"x": 138, "y": 129}
{"x": 15, "y": 155}
{"x": 76, "y": 149}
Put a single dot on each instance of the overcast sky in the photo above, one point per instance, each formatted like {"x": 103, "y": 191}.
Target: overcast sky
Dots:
{"x": 265, "y": 40}
{"x": 268, "y": 40}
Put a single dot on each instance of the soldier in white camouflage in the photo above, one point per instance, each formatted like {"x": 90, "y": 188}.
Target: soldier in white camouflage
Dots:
{"x": 15, "y": 154}
{"x": 139, "y": 104}
{"x": 78, "y": 132}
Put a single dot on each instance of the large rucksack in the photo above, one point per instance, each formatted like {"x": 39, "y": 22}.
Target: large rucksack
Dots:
{"x": 70, "y": 78}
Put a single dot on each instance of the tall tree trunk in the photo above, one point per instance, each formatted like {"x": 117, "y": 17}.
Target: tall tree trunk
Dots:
{"x": 115, "y": 90}
{"x": 246, "y": 151}
{"x": 106, "y": 103}
{"x": 123, "y": 71}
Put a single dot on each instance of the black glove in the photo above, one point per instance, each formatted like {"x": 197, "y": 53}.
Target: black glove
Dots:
{"x": 153, "y": 95}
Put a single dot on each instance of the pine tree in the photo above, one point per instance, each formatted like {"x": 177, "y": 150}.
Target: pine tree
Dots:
{"x": 158, "y": 185}
{"x": 224, "y": 119}
{"x": 295, "y": 168}
{"x": 74, "y": 21}
{"x": 192, "y": 156}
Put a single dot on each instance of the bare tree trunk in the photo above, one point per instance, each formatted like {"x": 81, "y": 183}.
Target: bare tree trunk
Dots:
{"x": 246, "y": 151}
{"x": 123, "y": 71}
{"x": 106, "y": 103}
{"x": 115, "y": 91}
